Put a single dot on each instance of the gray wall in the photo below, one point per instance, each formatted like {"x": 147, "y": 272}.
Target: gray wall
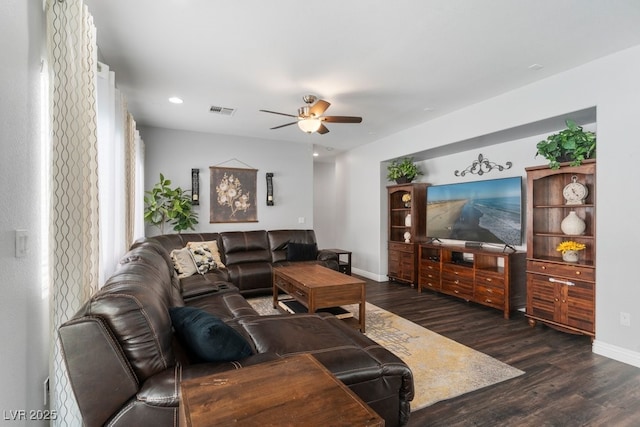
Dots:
{"x": 611, "y": 85}
{"x": 24, "y": 302}
{"x": 174, "y": 153}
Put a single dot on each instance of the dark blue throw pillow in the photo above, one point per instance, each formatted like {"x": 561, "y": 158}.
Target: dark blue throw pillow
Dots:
{"x": 302, "y": 251}
{"x": 207, "y": 338}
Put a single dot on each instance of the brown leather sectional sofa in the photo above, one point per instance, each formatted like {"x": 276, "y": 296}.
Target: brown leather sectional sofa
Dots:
{"x": 247, "y": 255}
{"x": 125, "y": 361}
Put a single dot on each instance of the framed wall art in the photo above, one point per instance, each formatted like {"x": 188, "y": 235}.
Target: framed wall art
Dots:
{"x": 233, "y": 195}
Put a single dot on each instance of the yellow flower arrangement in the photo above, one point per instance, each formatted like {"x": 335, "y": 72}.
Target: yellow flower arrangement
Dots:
{"x": 570, "y": 245}
{"x": 406, "y": 197}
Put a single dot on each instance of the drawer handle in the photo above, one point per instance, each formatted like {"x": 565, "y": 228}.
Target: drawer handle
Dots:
{"x": 490, "y": 291}
{"x": 456, "y": 282}
{"x": 488, "y": 279}
{"x": 577, "y": 273}
{"x": 544, "y": 267}
{"x": 564, "y": 282}
{"x": 301, "y": 294}
{"x": 488, "y": 300}
{"x": 456, "y": 291}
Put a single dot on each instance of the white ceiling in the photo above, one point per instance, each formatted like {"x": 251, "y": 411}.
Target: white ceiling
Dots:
{"x": 395, "y": 63}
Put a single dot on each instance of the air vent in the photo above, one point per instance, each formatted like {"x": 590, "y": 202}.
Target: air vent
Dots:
{"x": 223, "y": 111}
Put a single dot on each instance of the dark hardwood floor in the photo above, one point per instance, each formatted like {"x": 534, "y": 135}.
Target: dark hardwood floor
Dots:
{"x": 564, "y": 384}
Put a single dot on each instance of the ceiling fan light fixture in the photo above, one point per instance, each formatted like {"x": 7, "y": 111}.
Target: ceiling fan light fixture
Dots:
{"x": 309, "y": 125}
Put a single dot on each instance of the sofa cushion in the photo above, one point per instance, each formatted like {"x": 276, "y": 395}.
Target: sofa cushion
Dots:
{"x": 183, "y": 262}
{"x": 280, "y": 239}
{"x": 207, "y": 338}
{"x": 241, "y": 247}
{"x": 302, "y": 251}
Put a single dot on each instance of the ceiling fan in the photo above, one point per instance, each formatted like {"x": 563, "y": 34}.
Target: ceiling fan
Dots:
{"x": 310, "y": 118}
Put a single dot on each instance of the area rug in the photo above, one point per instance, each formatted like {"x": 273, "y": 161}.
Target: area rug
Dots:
{"x": 442, "y": 368}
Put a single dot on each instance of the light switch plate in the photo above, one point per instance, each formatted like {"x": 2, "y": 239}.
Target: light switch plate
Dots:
{"x": 22, "y": 243}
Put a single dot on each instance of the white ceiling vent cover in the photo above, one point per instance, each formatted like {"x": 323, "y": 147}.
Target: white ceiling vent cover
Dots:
{"x": 223, "y": 111}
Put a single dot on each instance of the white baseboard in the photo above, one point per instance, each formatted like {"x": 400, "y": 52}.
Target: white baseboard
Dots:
{"x": 369, "y": 275}
{"x": 617, "y": 353}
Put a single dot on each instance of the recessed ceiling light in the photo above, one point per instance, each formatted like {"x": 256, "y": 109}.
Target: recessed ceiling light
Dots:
{"x": 315, "y": 154}
{"x": 175, "y": 100}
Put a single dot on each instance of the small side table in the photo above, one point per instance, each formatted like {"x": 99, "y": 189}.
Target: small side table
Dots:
{"x": 344, "y": 266}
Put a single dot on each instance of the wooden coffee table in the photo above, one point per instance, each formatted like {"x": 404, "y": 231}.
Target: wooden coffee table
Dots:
{"x": 293, "y": 391}
{"x": 318, "y": 287}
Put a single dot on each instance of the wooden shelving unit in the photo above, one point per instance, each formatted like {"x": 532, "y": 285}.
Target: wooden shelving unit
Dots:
{"x": 560, "y": 294}
{"x": 403, "y": 255}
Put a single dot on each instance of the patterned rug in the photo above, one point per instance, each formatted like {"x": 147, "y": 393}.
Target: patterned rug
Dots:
{"x": 442, "y": 368}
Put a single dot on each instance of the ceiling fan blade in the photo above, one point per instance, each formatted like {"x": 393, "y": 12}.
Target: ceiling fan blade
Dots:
{"x": 322, "y": 130}
{"x": 275, "y": 112}
{"x": 319, "y": 107}
{"x": 342, "y": 119}
{"x": 281, "y": 126}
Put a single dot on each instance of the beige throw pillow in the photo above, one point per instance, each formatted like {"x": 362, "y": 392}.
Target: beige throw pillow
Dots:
{"x": 202, "y": 257}
{"x": 183, "y": 262}
{"x": 213, "y": 247}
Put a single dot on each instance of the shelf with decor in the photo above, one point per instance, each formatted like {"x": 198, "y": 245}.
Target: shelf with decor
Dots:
{"x": 561, "y": 207}
{"x": 406, "y": 225}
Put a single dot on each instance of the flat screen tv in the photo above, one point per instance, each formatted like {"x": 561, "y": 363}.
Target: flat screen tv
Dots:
{"x": 487, "y": 211}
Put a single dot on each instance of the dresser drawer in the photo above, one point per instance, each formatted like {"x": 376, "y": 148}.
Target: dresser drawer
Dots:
{"x": 401, "y": 247}
{"x": 458, "y": 271}
{"x": 577, "y": 272}
{"x": 490, "y": 278}
{"x": 489, "y": 295}
{"x": 429, "y": 279}
{"x": 456, "y": 285}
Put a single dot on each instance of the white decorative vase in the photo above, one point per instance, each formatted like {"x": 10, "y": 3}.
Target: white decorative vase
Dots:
{"x": 407, "y": 237}
{"x": 572, "y": 225}
{"x": 407, "y": 220}
{"x": 570, "y": 256}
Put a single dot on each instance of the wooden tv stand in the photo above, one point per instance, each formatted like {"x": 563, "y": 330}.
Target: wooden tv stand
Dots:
{"x": 486, "y": 276}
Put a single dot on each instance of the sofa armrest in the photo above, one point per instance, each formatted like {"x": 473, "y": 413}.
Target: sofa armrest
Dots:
{"x": 101, "y": 377}
{"x": 327, "y": 255}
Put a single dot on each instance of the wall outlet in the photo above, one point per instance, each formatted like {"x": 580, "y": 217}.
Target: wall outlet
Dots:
{"x": 301, "y": 220}
{"x": 625, "y": 319}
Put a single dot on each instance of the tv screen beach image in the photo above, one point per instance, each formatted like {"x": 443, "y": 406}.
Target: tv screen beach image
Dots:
{"x": 481, "y": 211}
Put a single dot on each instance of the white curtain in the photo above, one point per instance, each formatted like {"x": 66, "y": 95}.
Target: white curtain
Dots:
{"x": 112, "y": 152}
{"x": 120, "y": 163}
{"x": 96, "y": 185}
{"x": 134, "y": 182}
{"x": 74, "y": 225}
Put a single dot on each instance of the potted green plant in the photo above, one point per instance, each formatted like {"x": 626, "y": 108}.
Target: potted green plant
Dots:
{"x": 572, "y": 144}
{"x": 403, "y": 171}
{"x": 166, "y": 204}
